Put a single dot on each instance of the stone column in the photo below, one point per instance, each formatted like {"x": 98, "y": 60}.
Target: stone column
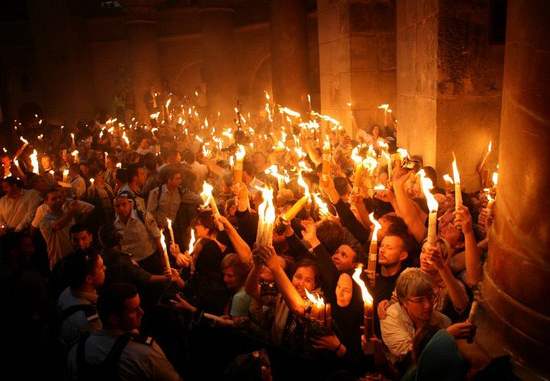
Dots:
{"x": 143, "y": 53}
{"x": 289, "y": 53}
{"x": 357, "y": 59}
{"x": 219, "y": 59}
{"x": 448, "y": 83}
{"x": 516, "y": 315}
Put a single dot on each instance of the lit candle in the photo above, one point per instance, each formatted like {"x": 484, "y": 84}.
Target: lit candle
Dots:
{"x": 208, "y": 198}
{"x": 72, "y": 138}
{"x": 367, "y": 302}
{"x": 322, "y": 205}
{"x": 170, "y": 230}
{"x": 318, "y": 311}
{"x": 373, "y": 250}
{"x": 427, "y": 185}
{"x": 325, "y": 169}
{"x": 192, "y": 241}
{"x": 295, "y": 209}
{"x": 266, "y": 218}
{"x": 456, "y": 180}
{"x": 486, "y": 156}
{"x": 385, "y": 107}
{"x": 34, "y": 162}
{"x": 65, "y": 175}
{"x": 74, "y": 154}
{"x": 165, "y": 253}
{"x": 238, "y": 168}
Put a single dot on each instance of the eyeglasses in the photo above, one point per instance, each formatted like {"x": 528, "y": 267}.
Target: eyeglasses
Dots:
{"x": 422, "y": 299}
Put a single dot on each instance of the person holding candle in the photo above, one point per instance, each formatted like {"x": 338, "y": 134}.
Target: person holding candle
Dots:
{"x": 164, "y": 201}
{"x": 18, "y": 205}
{"x": 414, "y": 311}
{"x": 141, "y": 236}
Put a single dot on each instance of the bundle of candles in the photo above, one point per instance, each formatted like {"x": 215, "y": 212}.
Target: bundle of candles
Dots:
{"x": 320, "y": 311}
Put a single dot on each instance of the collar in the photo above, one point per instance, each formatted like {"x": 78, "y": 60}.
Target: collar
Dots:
{"x": 90, "y": 296}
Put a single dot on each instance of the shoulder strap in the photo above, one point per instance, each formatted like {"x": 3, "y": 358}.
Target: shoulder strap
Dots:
{"x": 108, "y": 368}
{"x": 88, "y": 309}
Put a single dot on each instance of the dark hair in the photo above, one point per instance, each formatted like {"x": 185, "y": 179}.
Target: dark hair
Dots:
{"x": 12, "y": 180}
{"x": 112, "y": 299}
{"x": 188, "y": 156}
{"x": 77, "y": 228}
{"x": 133, "y": 171}
{"x": 206, "y": 219}
{"x": 241, "y": 269}
{"x": 331, "y": 234}
{"x": 109, "y": 236}
{"x": 79, "y": 265}
{"x": 306, "y": 262}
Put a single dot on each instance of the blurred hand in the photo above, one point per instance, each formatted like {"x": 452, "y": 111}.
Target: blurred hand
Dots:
{"x": 463, "y": 219}
{"x": 464, "y": 330}
{"x": 382, "y": 309}
{"x": 182, "y": 304}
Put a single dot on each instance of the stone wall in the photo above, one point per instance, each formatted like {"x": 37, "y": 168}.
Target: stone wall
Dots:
{"x": 449, "y": 82}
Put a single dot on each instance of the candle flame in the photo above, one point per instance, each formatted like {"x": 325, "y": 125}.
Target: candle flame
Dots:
{"x": 241, "y": 152}
{"x": 322, "y": 205}
{"x": 289, "y": 112}
{"x": 24, "y": 140}
{"x": 92, "y": 180}
{"x": 34, "y": 162}
{"x": 448, "y": 179}
{"x": 154, "y": 115}
{"x": 379, "y": 187}
{"x": 427, "y": 186}
{"x": 456, "y": 174}
{"x": 162, "y": 243}
{"x": 303, "y": 184}
{"x": 206, "y": 193}
{"x": 125, "y": 138}
{"x": 192, "y": 241}
{"x": 377, "y": 226}
{"x": 65, "y": 173}
{"x": 403, "y": 153}
{"x": 317, "y": 300}
{"x": 495, "y": 178}
{"x": 490, "y": 147}
{"x": 119, "y": 165}
{"x": 367, "y": 297}
{"x": 357, "y": 159}
{"x": 384, "y": 107}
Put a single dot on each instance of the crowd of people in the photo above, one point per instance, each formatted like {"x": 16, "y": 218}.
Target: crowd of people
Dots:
{"x": 115, "y": 264}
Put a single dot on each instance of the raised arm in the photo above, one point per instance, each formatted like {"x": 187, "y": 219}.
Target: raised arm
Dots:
{"x": 474, "y": 270}
{"x": 290, "y": 295}
{"x": 406, "y": 207}
{"x": 241, "y": 247}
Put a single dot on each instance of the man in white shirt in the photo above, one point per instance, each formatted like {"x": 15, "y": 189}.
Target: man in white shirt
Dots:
{"x": 140, "y": 234}
{"x": 77, "y": 181}
{"x": 17, "y": 206}
{"x": 164, "y": 200}
{"x": 57, "y": 222}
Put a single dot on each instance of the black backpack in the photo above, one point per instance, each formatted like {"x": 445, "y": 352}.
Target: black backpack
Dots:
{"x": 106, "y": 370}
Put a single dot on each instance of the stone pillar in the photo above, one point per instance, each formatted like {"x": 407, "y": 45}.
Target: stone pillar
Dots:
{"x": 289, "y": 53}
{"x": 357, "y": 59}
{"x": 448, "y": 83}
{"x": 143, "y": 53}
{"x": 516, "y": 315}
{"x": 219, "y": 59}
{"x": 62, "y": 61}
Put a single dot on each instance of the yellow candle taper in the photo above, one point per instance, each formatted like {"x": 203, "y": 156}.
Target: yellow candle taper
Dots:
{"x": 367, "y": 302}
{"x": 456, "y": 180}
{"x": 238, "y": 168}
{"x": 373, "y": 250}
{"x": 165, "y": 253}
{"x": 427, "y": 186}
{"x": 170, "y": 230}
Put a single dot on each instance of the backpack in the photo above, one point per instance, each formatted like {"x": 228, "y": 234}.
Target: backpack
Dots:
{"x": 106, "y": 370}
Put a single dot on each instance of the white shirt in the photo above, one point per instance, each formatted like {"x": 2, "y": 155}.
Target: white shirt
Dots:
{"x": 138, "y": 238}
{"x": 17, "y": 213}
{"x": 398, "y": 330}
{"x": 164, "y": 207}
{"x": 59, "y": 242}
{"x": 79, "y": 186}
